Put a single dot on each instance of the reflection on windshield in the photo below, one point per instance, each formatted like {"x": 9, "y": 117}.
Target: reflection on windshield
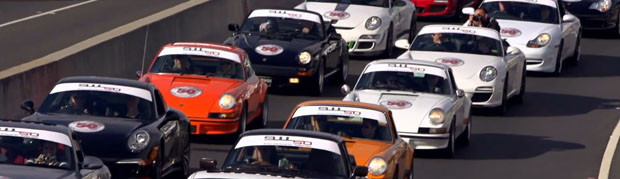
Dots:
{"x": 276, "y": 27}
{"x": 381, "y": 3}
{"x": 457, "y": 43}
{"x": 288, "y": 161}
{"x": 97, "y": 103}
{"x": 34, "y": 152}
{"x": 404, "y": 81}
{"x": 345, "y": 126}
{"x": 522, "y": 11}
{"x": 198, "y": 65}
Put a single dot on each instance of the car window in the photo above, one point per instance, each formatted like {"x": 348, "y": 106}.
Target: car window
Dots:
{"x": 521, "y": 11}
{"x": 380, "y": 3}
{"x": 35, "y": 152}
{"x": 198, "y": 65}
{"x": 345, "y": 126}
{"x": 97, "y": 103}
{"x": 161, "y": 105}
{"x": 287, "y": 28}
{"x": 404, "y": 81}
{"x": 457, "y": 43}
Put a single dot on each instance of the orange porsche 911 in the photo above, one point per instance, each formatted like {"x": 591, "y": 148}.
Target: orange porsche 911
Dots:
{"x": 214, "y": 85}
{"x": 368, "y": 130}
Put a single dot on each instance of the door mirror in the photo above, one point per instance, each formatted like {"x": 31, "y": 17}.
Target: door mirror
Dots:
{"x": 512, "y": 50}
{"x": 360, "y": 171}
{"x": 402, "y": 43}
{"x": 233, "y": 27}
{"x": 92, "y": 163}
{"x": 460, "y": 93}
{"x": 345, "y": 89}
{"x": 28, "y": 106}
{"x": 569, "y": 18}
{"x": 208, "y": 164}
{"x": 468, "y": 10}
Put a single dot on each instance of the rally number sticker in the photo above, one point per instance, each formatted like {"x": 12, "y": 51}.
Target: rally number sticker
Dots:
{"x": 269, "y": 50}
{"x": 186, "y": 91}
{"x": 337, "y": 15}
{"x": 86, "y": 126}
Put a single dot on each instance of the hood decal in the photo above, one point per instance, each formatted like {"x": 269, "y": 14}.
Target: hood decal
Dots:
{"x": 450, "y": 61}
{"x": 269, "y": 49}
{"x": 338, "y": 13}
{"x": 86, "y": 126}
{"x": 186, "y": 91}
{"x": 395, "y": 104}
{"x": 510, "y": 32}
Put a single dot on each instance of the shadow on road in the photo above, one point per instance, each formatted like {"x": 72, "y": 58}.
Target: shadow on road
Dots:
{"x": 589, "y": 66}
{"x": 492, "y": 146}
{"x": 538, "y": 104}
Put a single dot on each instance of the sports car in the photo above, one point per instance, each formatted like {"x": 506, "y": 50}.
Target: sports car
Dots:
{"x": 277, "y": 153}
{"x": 447, "y": 8}
{"x": 292, "y": 48}
{"x": 125, "y": 123}
{"x": 369, "y": 27}
{"x": 596, "y": 14}
{"x": 368, "y": 130}
{"x": 38, "y": 150}
{"x": 485, "y": 67}
{"x": 545, "y": 32}
{"x": 429, "y": 110}
{"x": 214, "y": 85}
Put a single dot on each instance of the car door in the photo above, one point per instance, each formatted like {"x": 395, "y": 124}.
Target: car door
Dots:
{"x": 404, "y": 9}
{"x": 569, "y": 32}
{"x": 331, "y": 49}
{"x": 458, "y": 103}
{"x": 252, "y": 91}
{"x": 169, "y": 143}
{"x": 512, "y": 68}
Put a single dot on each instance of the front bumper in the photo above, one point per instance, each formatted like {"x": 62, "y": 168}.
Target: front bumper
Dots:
{"x": 276, "y": 76}
{"x": 130, "y": 168}
{"x": 603, "y": 21}
{"x": 426, "y": 8}
{"x": 213, "y": 126}
{"x": 484, "y": 94}
{"x": 364, "y": 46}
{"x": 426, "y": 141}
{"x": 540, "y": 59}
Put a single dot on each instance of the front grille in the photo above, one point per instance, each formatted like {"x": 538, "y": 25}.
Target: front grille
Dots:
{"x": 533, "y": 61}
{"x": 419, "y": 10}
{"x": 481, "y": 97}
{"x": 365, "y": 45}
{"x": 438, "y": 8}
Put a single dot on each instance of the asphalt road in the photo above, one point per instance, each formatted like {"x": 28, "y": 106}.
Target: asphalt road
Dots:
{"x": 560, "y": 131}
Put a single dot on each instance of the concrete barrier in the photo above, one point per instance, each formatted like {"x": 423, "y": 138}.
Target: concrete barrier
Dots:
{"x": 122, "y": 54}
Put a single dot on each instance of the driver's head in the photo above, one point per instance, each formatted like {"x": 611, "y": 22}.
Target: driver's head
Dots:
{"x": 436, "y": 37}
{"x": 49, "y": 148}
{"x": 544, "y": 13}
{"x": 268, "y": 26}
{"x": 319, "y": 123}
{"x": 483, "y": 46}
{"x": 369, "y": 127}
{"x": 78, "y": 99}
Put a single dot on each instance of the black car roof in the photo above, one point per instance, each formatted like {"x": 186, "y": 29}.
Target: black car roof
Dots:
{"x": 108, "y": 80}
{"x": 35, "y": 125}
{"x": 295, "y": 132}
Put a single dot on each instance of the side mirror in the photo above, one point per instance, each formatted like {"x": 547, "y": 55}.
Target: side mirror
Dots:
{"x": 139, "y": 74}
{"x": 569, "y": 18}
{"x": 402, "y": 43}
{"x": 345, "y": 89}
{"x": 92, "y": 163}
{"x": 460, "y": 93}
{"x": 360, "y": 171}
{"x": 233, "y": 27}
{"x": 468, "y": 10}
{"x": 208, "y": 164}
{"x": 335, "y": 36}
{"x": 512, "y": 50}
{"x": 28, "y": 106}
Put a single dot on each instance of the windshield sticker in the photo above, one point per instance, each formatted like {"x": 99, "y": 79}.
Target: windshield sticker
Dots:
{"x": 478, "y": 31}
{"x": 292, "y": 14}
{"x": 86, "y": 126}
{"x": 395, "y": 104}
{"x": 417, "y": 70}
{"x": 450, "y": 61}
{"x": 550, "y": 3}
{"x": 510, "y": 32}
{"x": 289, "y": 141}
{"x": 200, "y": 51}
{"x": 269, "y": 49}
{"x": 137, "y": 92}
{"x": 36, "y": 134}
{"x": 341, "y": 111}
{"x": 186, "y": 91}
{"x": 337, "y": 15}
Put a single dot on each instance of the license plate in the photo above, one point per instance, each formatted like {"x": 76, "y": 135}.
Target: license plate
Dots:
{"x": 266, "y": 80}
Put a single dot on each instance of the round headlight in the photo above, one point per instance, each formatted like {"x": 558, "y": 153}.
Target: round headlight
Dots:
{"x": 377, "y": 166}
{"x": 601, "y": 5}
{"x": 488, "y": 73}
{"x": 437, "y": 116}
{"x": 138, "y": 141}
{"x": 305, "y": 57}
{"x": 227, "y": 101}
{"x": 373, "y": 23}
{"x": 543, "y": 39}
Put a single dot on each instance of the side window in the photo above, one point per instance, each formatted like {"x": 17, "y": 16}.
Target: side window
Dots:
{"x": 159, "y": 104}
{"x": 248, "y": 66}
{"x": 454, "y": 87}
{"x": 561, "y": 8}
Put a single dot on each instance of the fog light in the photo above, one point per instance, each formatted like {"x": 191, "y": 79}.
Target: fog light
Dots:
{"x": 368, "y": 36}
{"x": 293, "y": 80}
{"x": 437, "y": 130}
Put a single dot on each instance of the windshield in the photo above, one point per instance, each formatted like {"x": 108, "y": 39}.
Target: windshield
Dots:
{"x": 288, "y": 28}
{"x": 380, "y": 3}
{"x": 97, "y": 103}
{"x": 286, "y": 161}
{"x": 198, "y": 65}
{"x": 457, "y": 43}
{"x": 345, "y": 126}
{"x": 522, "y": 11}
{"x": 404, "y": 81}
{"x": 35, "y": 152}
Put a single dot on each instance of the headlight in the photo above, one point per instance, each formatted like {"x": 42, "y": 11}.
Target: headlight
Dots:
{"x": 138, "y": 141}
{"x": 488, "y": 73}
{"x": 377, "y": 166}
{"x": 602, "y": 5}
{"x": 305, "y": 57}
{"x": 373, "y": 23}
{"x": 540, "y": 41}
{"x": 437, "y": 116}
{"x": 227, "y": 101}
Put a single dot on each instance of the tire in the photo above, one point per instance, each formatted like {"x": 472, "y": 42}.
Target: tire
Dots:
{"x": 395, "y": 175}
{"x": 502, "y": 108}
{"x": 521, "y": 96}
{"x": 465, "y": 137}
{"x": 341, "y": 77}
{"x": 411, "y": 171}
{"x": 450, "y": 150}
{"x": 558, "y": 62}
{"x": 157, "y": 174}
{"x": 574, "y": 59}
{"x": 187, "y": 153}
{"x": 389, "y": 43}
{"x": 262, "y": 123}
{"x": 243, "y": 121}
{"x": 413, "y": 28}
{"x": 319, "y": 80}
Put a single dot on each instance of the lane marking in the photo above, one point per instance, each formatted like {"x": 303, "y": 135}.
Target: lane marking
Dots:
{"x": 46, "y": 13}
{"x": 608, "y": 156}
{"x": 83, "y": 45}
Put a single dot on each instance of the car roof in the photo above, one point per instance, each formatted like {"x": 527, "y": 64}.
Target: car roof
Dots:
{"x": 294, "y": 132}
{"x": 108, "y": 80}
{"x": 35, "y": 125}
{"x": 344, "y": 103}
{"x": 414, "y": 62}
{"x": 217, "y": 46}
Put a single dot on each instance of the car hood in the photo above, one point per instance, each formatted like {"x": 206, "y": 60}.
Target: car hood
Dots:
{"x": 529, "y": 31}
{"x": 358, "y": 14}
{"x": 211, "y": 89}
{"x": 469, "y": 69}
{"x": 364, "y": 149}
{"x": 291, "y": 48}
{"x": 406, "y": 119}
{"x": 19, "y": 171}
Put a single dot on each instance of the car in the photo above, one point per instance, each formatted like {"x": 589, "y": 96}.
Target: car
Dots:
{"x": 596, "y": 14}
{"x": 39, "y": 150}
{"x": 292, "y": 48}
{"x": 368, "y": 130}
{"x": 126, "y": 123}
{"x": 443, "y": 8}
{"x": 484, "y": 66}
{"x": 429, "y": 110}
{"x": 277, "y": 153}
{"x": 552, "y": 36}
{"x": 369, "y": 27}
{"x": 214, "y": 85}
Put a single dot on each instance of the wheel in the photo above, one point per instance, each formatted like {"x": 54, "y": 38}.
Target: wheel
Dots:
{"x": 265, "y": 113}
{"x": 187, "y": 153}
{"x": 558, "y": 61}
{"x": 574, "y": 59}
{"x": 503, "y": 107}
{"x": 413, "y": 27}
{"x": 317, "y": 88}
{"x": 389, "y": 43}
{"x": 341, "y": 78}
{"x": 243, "y": 121}
{"x": 521, "y": 96}
{"x": 465, "y": 137}
{"x": 449, "y": 151}
{"x": 395, "y": 175}
{"x": 158, "y": 162}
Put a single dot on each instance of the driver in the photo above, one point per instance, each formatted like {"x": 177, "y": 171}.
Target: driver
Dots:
{"x": 391, "y": 82}
{"x": 47, "y": 155}
{"x": 270, "y": 26}
{"x": 77, "y": 104}
{"x": 438, "y": 44}
{"x": 369, "y": 128}
{"x": 226, "y": 69}
{"x": 262, "y": 156}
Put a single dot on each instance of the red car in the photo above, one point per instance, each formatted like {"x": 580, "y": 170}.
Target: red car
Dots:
{"x": 448, "y": 8}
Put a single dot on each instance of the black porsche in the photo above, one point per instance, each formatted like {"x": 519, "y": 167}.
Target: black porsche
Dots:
{"x": 289, "y": 48}
{"x": 125, "y": 123}
{"x": 596, "y": 14}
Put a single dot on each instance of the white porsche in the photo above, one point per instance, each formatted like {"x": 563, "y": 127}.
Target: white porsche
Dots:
{"x": 369, "y": 26}
{"x": 429, "y": 111}
{"x": 484, "y": 66}
{"x": 545, "y": 32}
